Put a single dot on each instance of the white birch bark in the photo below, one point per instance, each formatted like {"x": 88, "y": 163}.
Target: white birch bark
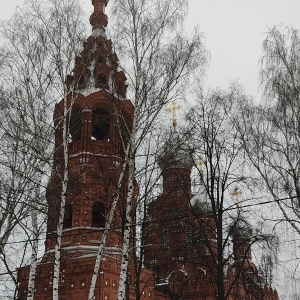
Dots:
{"x": 108, "y": 225}
{"x": 34, "y": 248}
{"x": 33, "y": 260}
{"x": 57, "y": 252}
{"x": 126, "y": 234}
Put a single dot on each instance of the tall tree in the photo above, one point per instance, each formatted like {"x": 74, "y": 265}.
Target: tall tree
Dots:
{"x": 270, "y": 131}
{"x": 159, "y": 61}
{"x": 35, "y": 62}
{"x": 224, "y": 234}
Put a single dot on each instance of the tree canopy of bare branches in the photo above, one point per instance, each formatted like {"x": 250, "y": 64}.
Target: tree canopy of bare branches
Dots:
{"x": 38, "y": 47}
{"x": 226, "y": 185}
{"x": 270, "y": 131}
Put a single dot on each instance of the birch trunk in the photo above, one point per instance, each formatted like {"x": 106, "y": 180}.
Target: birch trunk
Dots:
{"x": 108, "y": 225}
{"x": 34, "y": 247}
{"x": 65, "y": 178}
{"x": 126, "y": 235}
{"x": 35, "y": 236}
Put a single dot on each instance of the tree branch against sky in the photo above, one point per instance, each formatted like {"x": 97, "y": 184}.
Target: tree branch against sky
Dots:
{"x": 158, "y": 62}
{"x": 35, "y": 62}
{"x": 159, "y": 58}
{"x": 234, "y": 30}
{"x": 270, "y": 135}
{"x": 223, "y": 181}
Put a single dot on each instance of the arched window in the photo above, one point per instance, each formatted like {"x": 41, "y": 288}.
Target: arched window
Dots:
{"x": 100, "y": 125}
{"x": 172, "y": 180}
{"x": 68, "y": 216}
{"x": 75, "y": 124}
{"x": 98, "y": 215}
{"x": 177, "y": 242}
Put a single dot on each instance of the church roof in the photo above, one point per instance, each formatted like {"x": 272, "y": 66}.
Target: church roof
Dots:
{"x": 240, "y": 227}
{"x": 176, "y": 152}
{"x": 97, "y": 66}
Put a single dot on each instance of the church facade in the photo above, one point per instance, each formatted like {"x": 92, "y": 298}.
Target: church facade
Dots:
{"x": 180, "y": 244}
{"x": 182, "y": 232}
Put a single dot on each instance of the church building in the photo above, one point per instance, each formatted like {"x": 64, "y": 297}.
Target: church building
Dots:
{"x": 180, "y": 244}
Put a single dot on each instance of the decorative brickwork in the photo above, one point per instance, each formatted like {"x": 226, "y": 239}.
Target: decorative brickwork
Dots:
{"x": 182, "y": 235}
{"x": 100, "y": 123}
{"x": 180, "y": 241}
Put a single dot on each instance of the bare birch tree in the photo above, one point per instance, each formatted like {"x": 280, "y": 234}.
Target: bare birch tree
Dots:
{"x": 270, "y": 131}
{"x": 19, "y": 164}
{"x": 158, "y": 70}
{"x": 280, "y": 122}
{"x": 159, "y": 62}
{"x": 35, "y": 63}
{"x": 224, "y": 178}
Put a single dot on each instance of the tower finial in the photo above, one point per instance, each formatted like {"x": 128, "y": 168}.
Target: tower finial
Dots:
{"x": 173, "y": 110}
{"x": 98, "y": 19}
{"x": 236, "y": 193}
{"x": 200, "y": 164}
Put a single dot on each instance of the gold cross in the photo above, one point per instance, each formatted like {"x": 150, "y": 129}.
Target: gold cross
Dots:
{"x": 201, "y": 163}
{"x": 236, "y": 193}
{"x": 173, "y": 110}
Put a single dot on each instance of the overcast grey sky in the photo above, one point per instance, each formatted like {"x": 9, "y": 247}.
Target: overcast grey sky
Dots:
{"x": 233, "y": 30}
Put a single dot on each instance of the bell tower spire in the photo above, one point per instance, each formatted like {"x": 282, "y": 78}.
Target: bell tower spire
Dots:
{"x": 97, "y": 66}
{"x": 98, "y": 18}
{"x": 100, "y": 121}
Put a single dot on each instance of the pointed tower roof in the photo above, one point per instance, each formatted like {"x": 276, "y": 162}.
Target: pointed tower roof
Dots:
{"x": 98, "y": 18}
{"x": 97, "y": 66}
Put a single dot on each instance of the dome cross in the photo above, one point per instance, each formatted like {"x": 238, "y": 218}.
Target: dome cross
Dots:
{"x": 173, "y": 109}
{"x": 236, "y": 193}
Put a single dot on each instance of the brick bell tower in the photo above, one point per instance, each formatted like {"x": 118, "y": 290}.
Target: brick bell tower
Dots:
{"x": 100, "y": 124}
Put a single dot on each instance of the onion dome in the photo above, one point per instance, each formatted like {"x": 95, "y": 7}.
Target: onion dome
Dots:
{"x": 176, "y": 153}
{"x": 200, "y": 203}
{"x": 97, "y": 66}
{"x": 240, "y": 228}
